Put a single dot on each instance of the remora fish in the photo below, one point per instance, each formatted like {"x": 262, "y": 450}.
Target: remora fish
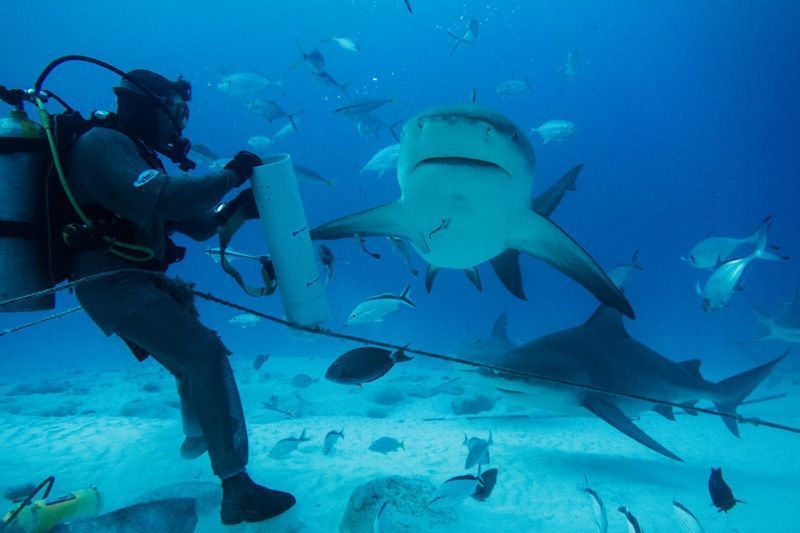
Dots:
{"x": 601, "y": 353}
{"x": 270, "y": 110}
{"x": 310, "y": 176}
{"x": 598, "y": 509}
{"x": 286, "y": 446}
{"x": 711, "y": 252}
{"x": 379, "y": 525}
{"x": 408, "y": 6}
{"x": 330, "y": 441}
{"x": 385, "y": 445}
{"x": 555, "y": 130}
{"x": 345, "y": 43}
{"x": 214, "y": 253}
{"x": 721, "y": 285}
{"x": 374, "y": 308}
{"x": 401, "y": 246}
{"x": 383, "y": 160}
{"x": 323, "y": 78}
{"x": 357, "y": 108}
{"x": 633, "y": 523}
{"x": 472, "y": 165}
{"x": 478, "y": 451}
{"x": 469, "y": 36}
{"x": 688, "y": 521}
{"x": 363, "y": 365}
{"x": 721, "y": 493}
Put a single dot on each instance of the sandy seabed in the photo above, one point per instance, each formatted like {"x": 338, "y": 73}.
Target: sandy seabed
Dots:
{"x": 120, "y": 430}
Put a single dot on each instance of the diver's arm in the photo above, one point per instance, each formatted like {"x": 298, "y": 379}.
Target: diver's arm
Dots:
{"x": 199, "y": 228}
{"x": 111, "y": 169}
{"x": 186, "y": 197}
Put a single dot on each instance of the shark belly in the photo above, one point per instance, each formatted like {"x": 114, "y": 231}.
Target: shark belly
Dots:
{"x": 461, "y": 215}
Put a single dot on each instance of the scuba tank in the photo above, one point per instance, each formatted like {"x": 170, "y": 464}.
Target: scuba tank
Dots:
{"x": 24, "y": 157}
{"x": 43, "y": 515}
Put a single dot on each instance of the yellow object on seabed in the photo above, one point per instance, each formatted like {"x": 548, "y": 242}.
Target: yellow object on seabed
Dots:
{"x": 41, "y": 516}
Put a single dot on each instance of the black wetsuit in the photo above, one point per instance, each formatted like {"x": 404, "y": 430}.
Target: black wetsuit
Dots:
{"x": 106, "y": 168}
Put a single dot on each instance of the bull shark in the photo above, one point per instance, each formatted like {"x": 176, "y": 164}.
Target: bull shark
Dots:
{"x": 601, "y": 353}
{"x": 465, "y": 174}
{"x": 784, "y": 325}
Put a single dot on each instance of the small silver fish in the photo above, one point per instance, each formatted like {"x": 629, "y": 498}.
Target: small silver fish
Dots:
{"x": 598, "y": 509}
{"x": 555, "y": 130}
{"x": 405, "y": 251}
{"x": 713, "y": 251}
{"x": 478, "y": 451}
{"x": 362, "y": 107}
{"x": 454, "y": 491}
{"x": 374, "y": 308}
{"x": 247, "y": 84}
{"x": 345, "y": 43}
{"x": 513, "y": 87}
{"x": 469, "y": 36}
{"x": 688, "y": 521}
{"x": 721, "y": 285}
{"x": 633, "y": 523}
{"x": 385, "y": 159}
{"x": 330, "y": 441}
{"x": 385, "y": 445}
{"x": 245, "y": 320}
{"x": 286, "y": 446}
{"x": 271, "y": 110}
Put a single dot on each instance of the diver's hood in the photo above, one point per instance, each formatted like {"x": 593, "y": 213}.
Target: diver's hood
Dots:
{"x": 155, "y": 110}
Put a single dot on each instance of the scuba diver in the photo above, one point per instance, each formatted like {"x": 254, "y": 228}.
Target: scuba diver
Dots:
{"x": 117, "y": 178}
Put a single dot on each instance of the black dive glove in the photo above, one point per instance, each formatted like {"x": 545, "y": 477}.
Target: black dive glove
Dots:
{"x": 244, "y": 201}
{"x": 243, "y": 164}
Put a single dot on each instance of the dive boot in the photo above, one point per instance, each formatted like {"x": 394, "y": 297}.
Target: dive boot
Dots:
{"x": 245, "y": 501}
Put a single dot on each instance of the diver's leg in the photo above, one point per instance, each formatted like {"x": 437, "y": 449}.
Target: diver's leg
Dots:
{"x": 198, "y": 358}
{"x": 194, "y": 445}
{"x": 190, "y": 350}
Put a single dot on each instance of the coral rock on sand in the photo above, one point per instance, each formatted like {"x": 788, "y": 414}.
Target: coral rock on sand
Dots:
{"x": 407, "y": 506}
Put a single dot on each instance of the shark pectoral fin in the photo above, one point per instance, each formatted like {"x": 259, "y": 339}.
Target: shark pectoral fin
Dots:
{"x": 430, "y": 276}
{"x": 665, "y": 411}
{"x": 542, "y": 238}
{"x": 379, "y": 221}
{"x": 474, "y": 278}
{"x": 506, "y": 266}
{"x": 509, "y": 391}
{"x": 614, "y": 416}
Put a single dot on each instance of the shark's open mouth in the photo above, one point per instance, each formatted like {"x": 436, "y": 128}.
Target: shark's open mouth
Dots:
{"x": 461, "y": 162}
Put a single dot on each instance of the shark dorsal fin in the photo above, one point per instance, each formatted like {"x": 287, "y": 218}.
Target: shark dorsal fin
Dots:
{"x": 608, "y": 319}
{"x": 500, "y": 329}
{"x": 692, "y": 366}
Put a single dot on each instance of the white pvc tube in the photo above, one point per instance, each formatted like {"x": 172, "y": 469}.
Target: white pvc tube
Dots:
{"x": 287, "y": 233}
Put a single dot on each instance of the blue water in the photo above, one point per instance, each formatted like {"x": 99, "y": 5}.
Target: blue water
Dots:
{"x": 687, "y": 121}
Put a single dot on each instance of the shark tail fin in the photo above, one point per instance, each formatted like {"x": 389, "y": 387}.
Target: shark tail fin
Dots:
{"x": 735, "y": 389}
